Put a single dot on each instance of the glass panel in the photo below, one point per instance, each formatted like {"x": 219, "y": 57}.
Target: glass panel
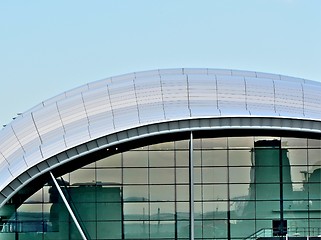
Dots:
{"x": 267, "y": 191}
{"x": 215, "y": 210}
{"x": 214, "y": 192}
{"x": 314, "y": 158}
{"x": 161, "y": 158}
{"x": 162, "y": 193}
{"x": 136, "y": 211}
{"x": 240, "y": 174}
{"x": 109, "y": 230}
{"x": 314, "y": 143}
{"x": 242, "y": 229}
{"x": 242, "y": 210}
{"x": 112, "y": 161}
{"x": 299, "y": 227}
{"x": 240, "y": 142}
{"x": 135, "y": 193}
{"x": 161, "y": 175}
{"x": 135, "y": 175}
{"x": 182, "y": 210}
{"x": 182, "y": 175}
{"x": 30, "y": 212}
{"x": 240, "y": 158}
{"x": 36, "y": 197}
{"x": 213, "y": 158}
{"x": 109, "y": 176}
{"x": 294, "y": 142}
{"x": 182, "y": 158}
{"x": 136, "y": 229}
{"x": 267, "y": 210}
{"x": 182, "y": 192}
{"x": 162, "y": 146}
{"x": 162, "y": 211}
{"x": 214, "y": 175}
{"x": 82, "y": 176}
{"x": 162, "y": 229}
{"x": 240, "y": 191}
{"x": 135, "y": 159}
{"x": 183, "y": 229}
{"x": 214, "y": 143}
{"x": 183, "y": 144}
{"x": 298, "y": 156}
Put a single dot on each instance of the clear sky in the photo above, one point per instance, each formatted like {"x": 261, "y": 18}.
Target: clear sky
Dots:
{"x": 47, "y": 47}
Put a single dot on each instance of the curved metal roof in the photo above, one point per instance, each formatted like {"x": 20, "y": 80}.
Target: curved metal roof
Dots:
{"x": 130, "y": 101}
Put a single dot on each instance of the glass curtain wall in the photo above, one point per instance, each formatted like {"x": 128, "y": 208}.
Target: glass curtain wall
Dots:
{"x": 242, "y": 186}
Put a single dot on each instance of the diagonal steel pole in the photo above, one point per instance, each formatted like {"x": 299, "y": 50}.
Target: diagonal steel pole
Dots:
{"x": 68, "y": 207}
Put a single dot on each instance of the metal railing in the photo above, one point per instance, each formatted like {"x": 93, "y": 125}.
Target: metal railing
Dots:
{"x": 291, "y": 232}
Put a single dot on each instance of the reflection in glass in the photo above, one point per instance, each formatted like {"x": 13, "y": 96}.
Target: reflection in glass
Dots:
{"x": 144, "y": 193}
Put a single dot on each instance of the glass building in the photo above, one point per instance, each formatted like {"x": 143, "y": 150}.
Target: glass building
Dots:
{"x": 166, "y": 154}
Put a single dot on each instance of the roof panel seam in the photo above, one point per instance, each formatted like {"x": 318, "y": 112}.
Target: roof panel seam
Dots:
{"x": 83, "y": 102}
{"x": 135, "y": 92}
{"x": 111, "y": 106}
{"x": 162, "y": 94}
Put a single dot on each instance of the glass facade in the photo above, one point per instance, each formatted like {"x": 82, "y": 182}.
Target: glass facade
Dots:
{"x": 241, "y": 185}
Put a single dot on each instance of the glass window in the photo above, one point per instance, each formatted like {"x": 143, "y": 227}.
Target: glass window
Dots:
{"x": 267, "y": 210}
{"x": 135, "y": 193}
{"x": 240, "y": 142}
{"x": 242, "y": 210}
{"x": 135, "y": 175}
{"x": 215, "y": 210}
{"x": 214, "y": 143}
{"x": 266, "y": 191}
{"x": 240, "y": 174}
{"x": 82, "y": 176}
{"x": 162, "y": 146}
{"x": 182, "y": 158}
{"x": 182, "y": 210}
{"x": 162, "y": 211}
{"x": 294, "y": 142}
{"x": 30, "y": 212}
{"x": 162, "y": 192}
{"x": 36, "y": 197}
{"x": 161, "y": 175}
{"x": 242, "y": 228}
{"x": 297, "y": 157}
{"x": 214, "y": 175}
{"x": 136, "y": 211}
{"x": 240, "y": 158}
{"x": 314, "y": 157}
{"x": 214, "y": 158}
{"x": 162, "y": 229}
{"x": 111, "y": 161}
{"x": 182, "y": 192}
{"x": 182, "y": 175}
{"x": 161, "y": 159}
{"x": 135, "y": 159}
{"x": 211, "y": 192}
{"x": 110, "y": 176}
{"x": 183, "y": 144}
{"x": 240, "y": 191}
{"x": 314, "y": 143}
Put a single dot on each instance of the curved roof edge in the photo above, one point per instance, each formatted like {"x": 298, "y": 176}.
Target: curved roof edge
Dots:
{"x": 152, "y": 98}
{"x": 104, "y": 143}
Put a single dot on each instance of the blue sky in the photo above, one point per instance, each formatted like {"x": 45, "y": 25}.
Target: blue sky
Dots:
{"x": 47, "y": 47}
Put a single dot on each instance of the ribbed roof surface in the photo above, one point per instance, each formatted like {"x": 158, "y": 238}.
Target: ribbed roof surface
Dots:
{"x": 128, "y": 101}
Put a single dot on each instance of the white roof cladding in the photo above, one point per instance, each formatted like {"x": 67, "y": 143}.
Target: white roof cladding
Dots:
{"x": 129, "y": 101}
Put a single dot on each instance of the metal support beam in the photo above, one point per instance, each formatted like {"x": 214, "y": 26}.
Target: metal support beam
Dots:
{"x": 68, "y": 207}
{"x": 191, "y": 188}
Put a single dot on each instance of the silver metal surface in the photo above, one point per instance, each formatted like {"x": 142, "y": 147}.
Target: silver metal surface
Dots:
{"x": 131, "y": 101}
